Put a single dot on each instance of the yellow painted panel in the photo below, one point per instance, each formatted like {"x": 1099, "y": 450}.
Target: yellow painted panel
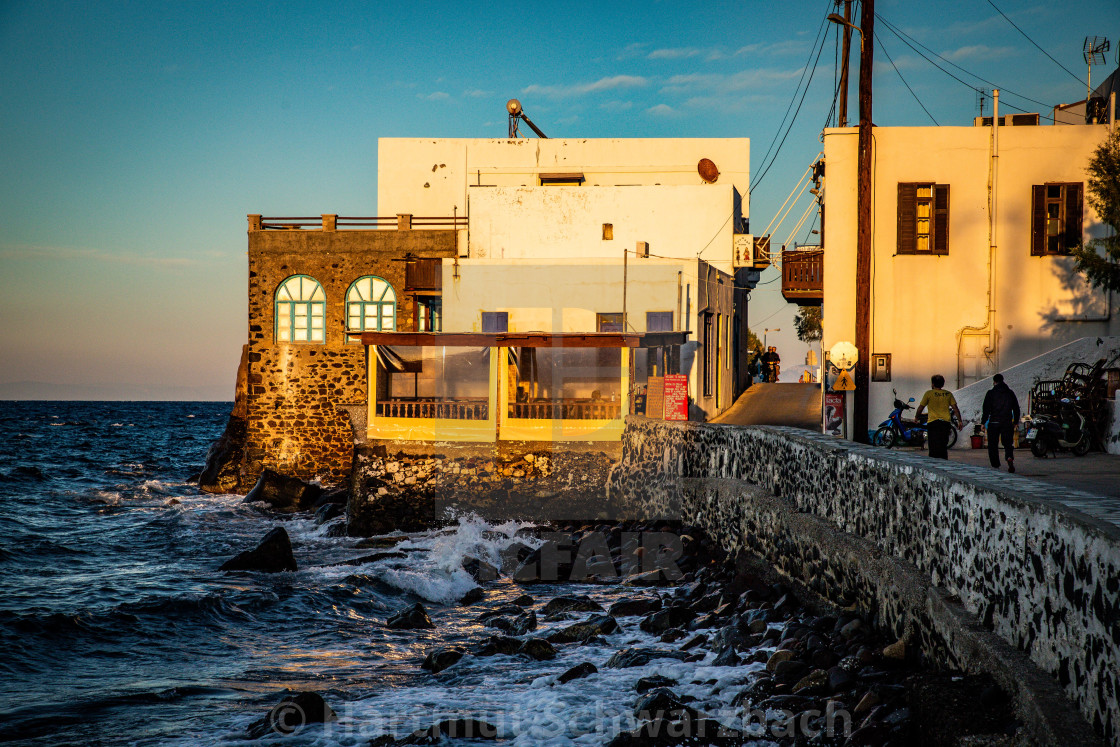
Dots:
{"x": 529, "y": 429}
{"x": 431, "y": 429}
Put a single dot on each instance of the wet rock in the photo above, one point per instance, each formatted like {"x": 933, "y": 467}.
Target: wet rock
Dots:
{"x": 652, "y": 682}
{"x": 327, "y": 512}
{"x": 777, "y": 658}
{"x": 571, "y": 604}
{"x": 380, "y": 543}
{"x": 272, "y": 555}
{"x": 283, "y": 494}
{"x": 473, "y": 595}
{"x": 672, "y": 635}
{"x": 635, "y": 607}
{"x": 867, "y": 702}
{"x": 391, "y": 555}
{"x": 696, "y": 640}
{"x": 410, "y": 618}
{"x": 689, "y": 729}
{"x": 524, "y": 601}
{"x": 815, "y": 681}
{"x": 662, "y": 620}
{"x": 293, "y": 713}
{"x": 538, "y": 649}
{"x": 657, "y": 703}
{"x": 895, "y": 651}
{"x": 519, "y": 625}
{"x": 459, "y": 728}
{"x": 442, "y": 658}
{"x": 790, "y": 671}
{"x": 480, "y": 570}
{"x": 552, "y": 562}
{"x": 535, "y": 648}
{"x": 727, "y": 658}
{"x": 839, "y": 679}
{"x": 851, "y": 628}
{"x": 592, "y": 626}
{"x": 639, "y": 657}
{"x": 577, "y": 672}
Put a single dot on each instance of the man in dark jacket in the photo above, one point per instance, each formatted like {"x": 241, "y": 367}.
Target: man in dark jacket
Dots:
{"x": 1000, "y": 414}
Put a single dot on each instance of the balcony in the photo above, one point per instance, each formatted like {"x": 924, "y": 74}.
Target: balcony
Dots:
{"x": 803, "y": 276}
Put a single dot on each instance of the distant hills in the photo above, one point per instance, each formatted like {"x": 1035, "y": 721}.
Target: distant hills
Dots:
{"x": 45, "y": 390}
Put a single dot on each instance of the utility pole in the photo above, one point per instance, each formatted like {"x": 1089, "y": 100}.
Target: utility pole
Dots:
{"x": 847, "y": 26}
{"x": 863, "y": 224}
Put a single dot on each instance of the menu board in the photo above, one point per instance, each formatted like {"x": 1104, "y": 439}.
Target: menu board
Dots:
{"x": 655, "y": 397}
{"x": 676, "y": 397}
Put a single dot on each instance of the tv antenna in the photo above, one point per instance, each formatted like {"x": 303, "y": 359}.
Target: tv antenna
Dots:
{"x": 982, "y": 97}
{"x": 516, "y": 113}
{"x": 1093, "y": 50}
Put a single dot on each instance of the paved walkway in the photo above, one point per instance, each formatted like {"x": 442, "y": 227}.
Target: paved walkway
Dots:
{"x": 798, "y": 405}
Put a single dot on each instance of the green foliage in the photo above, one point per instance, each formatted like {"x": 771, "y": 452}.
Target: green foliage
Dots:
{"x": 754, "y": 345}
{"x": 808, "y": 323}
{"x": 1099, "y": 259}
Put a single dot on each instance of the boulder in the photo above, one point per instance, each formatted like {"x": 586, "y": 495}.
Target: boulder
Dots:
{"x": 635, "y": 607}
{"x": 639, "y": 657}
{"x": 480, "y": 570}
{"x": 442, "y": 658}
{"x": 410, "y": 618}
{"x": 272, "y": 555}
{"x": 652, "y": 682}
{"x": 662, "y": 620}
{"x": 577, "y": 672}
{"x": 291, "y": 714}
{"x": 473, "y": 595}
{"x": 283, "y": 494}
{"x": 571, "y": 604}
{"x": 583, "y": 631}
{"x": 328, "y": 511}
{"x": 222, "y": 473}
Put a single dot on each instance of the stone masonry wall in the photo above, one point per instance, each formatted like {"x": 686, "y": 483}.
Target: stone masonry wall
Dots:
{"x": 1044, "y": 576}
{"x": 297, "y": 421}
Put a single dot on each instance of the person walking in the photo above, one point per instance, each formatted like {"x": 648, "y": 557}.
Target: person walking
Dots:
{"x": 1000, "y": 414}
{"x": 942, "y": 407}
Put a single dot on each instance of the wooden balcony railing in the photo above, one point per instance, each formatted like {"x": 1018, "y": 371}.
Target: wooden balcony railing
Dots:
{"x": 459, "y": 409}
{"x": 803, "y": 277}
{"x": 566, "y": 410}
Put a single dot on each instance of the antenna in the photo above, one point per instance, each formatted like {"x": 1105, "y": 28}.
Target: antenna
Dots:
{"x": 1093, "y": 50}
{"x": 982, "y": 97}
{"x": 516, "y": 113}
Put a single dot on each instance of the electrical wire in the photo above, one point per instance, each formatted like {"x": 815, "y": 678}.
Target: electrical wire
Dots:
{"x": 1032, "y": 41}
{"x": 883, "y": 49}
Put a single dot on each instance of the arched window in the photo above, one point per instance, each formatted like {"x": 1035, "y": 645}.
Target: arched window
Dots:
{"x": 300, "y": 310}
{"x": 371, "y": 305}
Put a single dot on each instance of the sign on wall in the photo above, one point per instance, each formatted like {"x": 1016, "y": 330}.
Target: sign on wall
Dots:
{"x": 676, "y": 397}
{"x": 834, "y": 413}
{"x": 655, "y": 397}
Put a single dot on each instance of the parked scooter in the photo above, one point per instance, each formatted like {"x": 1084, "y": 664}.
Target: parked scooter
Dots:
{"x": 1068, "y": 431}
{"x": 894, "y": 431}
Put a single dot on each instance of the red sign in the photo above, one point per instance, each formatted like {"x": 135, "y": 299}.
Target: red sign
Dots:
{"x": 834, "y": 413}
{"x": 676, "y": 397}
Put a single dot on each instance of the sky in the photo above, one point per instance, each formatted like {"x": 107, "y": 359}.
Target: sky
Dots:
{"x": 136, "y": 136}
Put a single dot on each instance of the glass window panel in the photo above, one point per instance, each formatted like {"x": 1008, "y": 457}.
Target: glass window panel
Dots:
{"x": 924, "y": 192}
{"x": 1054, "y": 191}
{"x": 318, "y": 294}
{"x": 923, "y": 243}
{"x": 923, "y": 226}
{"x": 317, "y": 335}
{"x": 923, "y": 209}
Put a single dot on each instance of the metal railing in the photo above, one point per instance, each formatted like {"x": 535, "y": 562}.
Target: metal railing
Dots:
{"x": 340, "y": 222}
{"x": 445, "y": 409}
{"x": 566, "y": 410}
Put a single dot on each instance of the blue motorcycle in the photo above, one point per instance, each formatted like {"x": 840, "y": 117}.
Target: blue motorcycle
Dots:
{"x": 894, "y": 431}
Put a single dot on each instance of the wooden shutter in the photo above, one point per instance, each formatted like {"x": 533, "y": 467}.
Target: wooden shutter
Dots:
{"x": 907, "y": 217}
{"x": 1072, "y": 238}
{"x": 940, "y": 219}
{"x": 1038, "y": 220}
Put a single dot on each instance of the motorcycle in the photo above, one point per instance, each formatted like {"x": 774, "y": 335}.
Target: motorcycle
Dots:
{"x": 894, "y": 431}
{"x": 1068, "y": 431}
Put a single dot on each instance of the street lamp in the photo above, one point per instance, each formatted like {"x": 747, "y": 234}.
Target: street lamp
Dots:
{"x": 837, "y": 18}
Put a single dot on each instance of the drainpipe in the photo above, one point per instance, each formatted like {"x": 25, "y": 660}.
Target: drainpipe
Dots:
{"x": 989, "y": 326}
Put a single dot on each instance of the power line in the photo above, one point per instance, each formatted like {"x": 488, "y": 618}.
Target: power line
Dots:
{"x": 1032, "y": 41}
{"x": 908, "y": 88}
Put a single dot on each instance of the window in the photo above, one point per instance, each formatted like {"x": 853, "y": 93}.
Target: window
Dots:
{"x": 565, "y": 179}
{"x": 923, "y": 218}
{"x": 495, "y": 322}
{"x": 659, "y": 321}
{"x": 371, "y": 305}
{"x": 429, "y": 313}
{"x": 300, "y": 310}
{"x": 608, "y": 322}
{"x": 1055, "y": 218}
{"x": 709, "y": 343}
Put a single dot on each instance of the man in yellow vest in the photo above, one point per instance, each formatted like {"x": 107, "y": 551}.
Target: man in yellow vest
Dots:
{"x": 942, "y": 406}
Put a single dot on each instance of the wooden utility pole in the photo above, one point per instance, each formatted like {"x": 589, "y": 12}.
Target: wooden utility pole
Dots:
{"x": 863, "y": 224}
{"x": 843, "y": 116}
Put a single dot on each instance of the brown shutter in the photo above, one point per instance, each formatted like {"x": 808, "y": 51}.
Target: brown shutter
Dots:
{"x": 1038, "y": 220}
{"x": 907, "y": 217}
{"x": 1072, "y": 239}
{"x": 941, "y": 219}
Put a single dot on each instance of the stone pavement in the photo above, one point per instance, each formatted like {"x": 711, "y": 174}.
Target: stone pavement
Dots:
{"x": 798, "y": 405}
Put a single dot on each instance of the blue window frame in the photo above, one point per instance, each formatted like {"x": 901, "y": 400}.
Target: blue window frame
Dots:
{"x": 371, "y": 305}
{"x": 300, "y": 310}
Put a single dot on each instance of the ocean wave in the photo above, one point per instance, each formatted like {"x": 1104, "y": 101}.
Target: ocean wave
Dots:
{"x": 24, "y": 474}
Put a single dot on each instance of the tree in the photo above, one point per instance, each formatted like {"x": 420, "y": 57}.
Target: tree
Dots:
{"x": 808, "y": 323}
{"x": 754, "y": 345}
{"x": 1099, "y": 259}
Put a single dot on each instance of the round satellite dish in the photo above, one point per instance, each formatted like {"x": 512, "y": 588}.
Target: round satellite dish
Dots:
{"x": 708, "y": 170}
{"x": 513, "y": 106}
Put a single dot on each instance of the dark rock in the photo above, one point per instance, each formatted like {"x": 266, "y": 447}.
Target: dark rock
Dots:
{"x": 283, "y": 494}
{"x": 380, "y": 543}
{"x": 391, "y": 555}
{"x": 480, "y": 570}
{"x": 474, "y": 595}
{"x": 457, "y": 728}
{"x": 840, "y": 679}
{"x": 578, "y": 671}
{"x": 662, "y": 620}
{"x": 727, "y": 658}
{"x": 524, "y": 601}
{"x": 571, "y": 604}
{"x": 688, "y": 729}
{"x": 327, "y": 512}
{"x": 592, "y": 626}
{"x": 335, "y": 497}
{"x": 538, "y": 649}
{"x": 410, "y": 618}
{"x": 272, "y": 555}
{"x": 635, "y": 607}
{"x": 790, "y": 670}
{"x": 672, "y": 635}
{"x": 639, "y": 657}
{"x": 222, "y": 473}
{"x": 657, "y": 703}
{"x": 535, "y": 648}
{"x": 291, "y": 714}
{"x": 654, "y": 681}
{"x": 696, "y": 640}
{"x": 552, "y": 562}
{"x": 442, "y": 658}
{"x": 519, "y": 625}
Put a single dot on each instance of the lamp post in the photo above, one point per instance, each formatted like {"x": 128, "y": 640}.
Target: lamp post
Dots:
{"x": 863, "y": 219}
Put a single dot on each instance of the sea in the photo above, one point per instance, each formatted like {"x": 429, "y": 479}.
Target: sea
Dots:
{"x": 116, "y": 626}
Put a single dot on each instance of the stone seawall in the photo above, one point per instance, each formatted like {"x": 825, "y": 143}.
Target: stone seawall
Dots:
{"x": 915, "y": 536}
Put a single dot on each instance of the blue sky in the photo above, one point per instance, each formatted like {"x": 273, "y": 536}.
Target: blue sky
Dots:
{"x": 136, "y": 136}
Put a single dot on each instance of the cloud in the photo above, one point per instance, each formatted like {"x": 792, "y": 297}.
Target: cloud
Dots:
{"x": 38, "y": 252}
{"x": 679, "y": 53}
{"x": 978, "y": 52}
{"x": 616, "y": 106}
{"x": 695, "y": 83}
{"x": 582, "y": 89}
{"x": 630, "y": 51}
{"x": 433, "y": 96}
{"x": 661, "y": 110}
{"x": 790, "y": 46}
{"x": 477, "y": 93}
